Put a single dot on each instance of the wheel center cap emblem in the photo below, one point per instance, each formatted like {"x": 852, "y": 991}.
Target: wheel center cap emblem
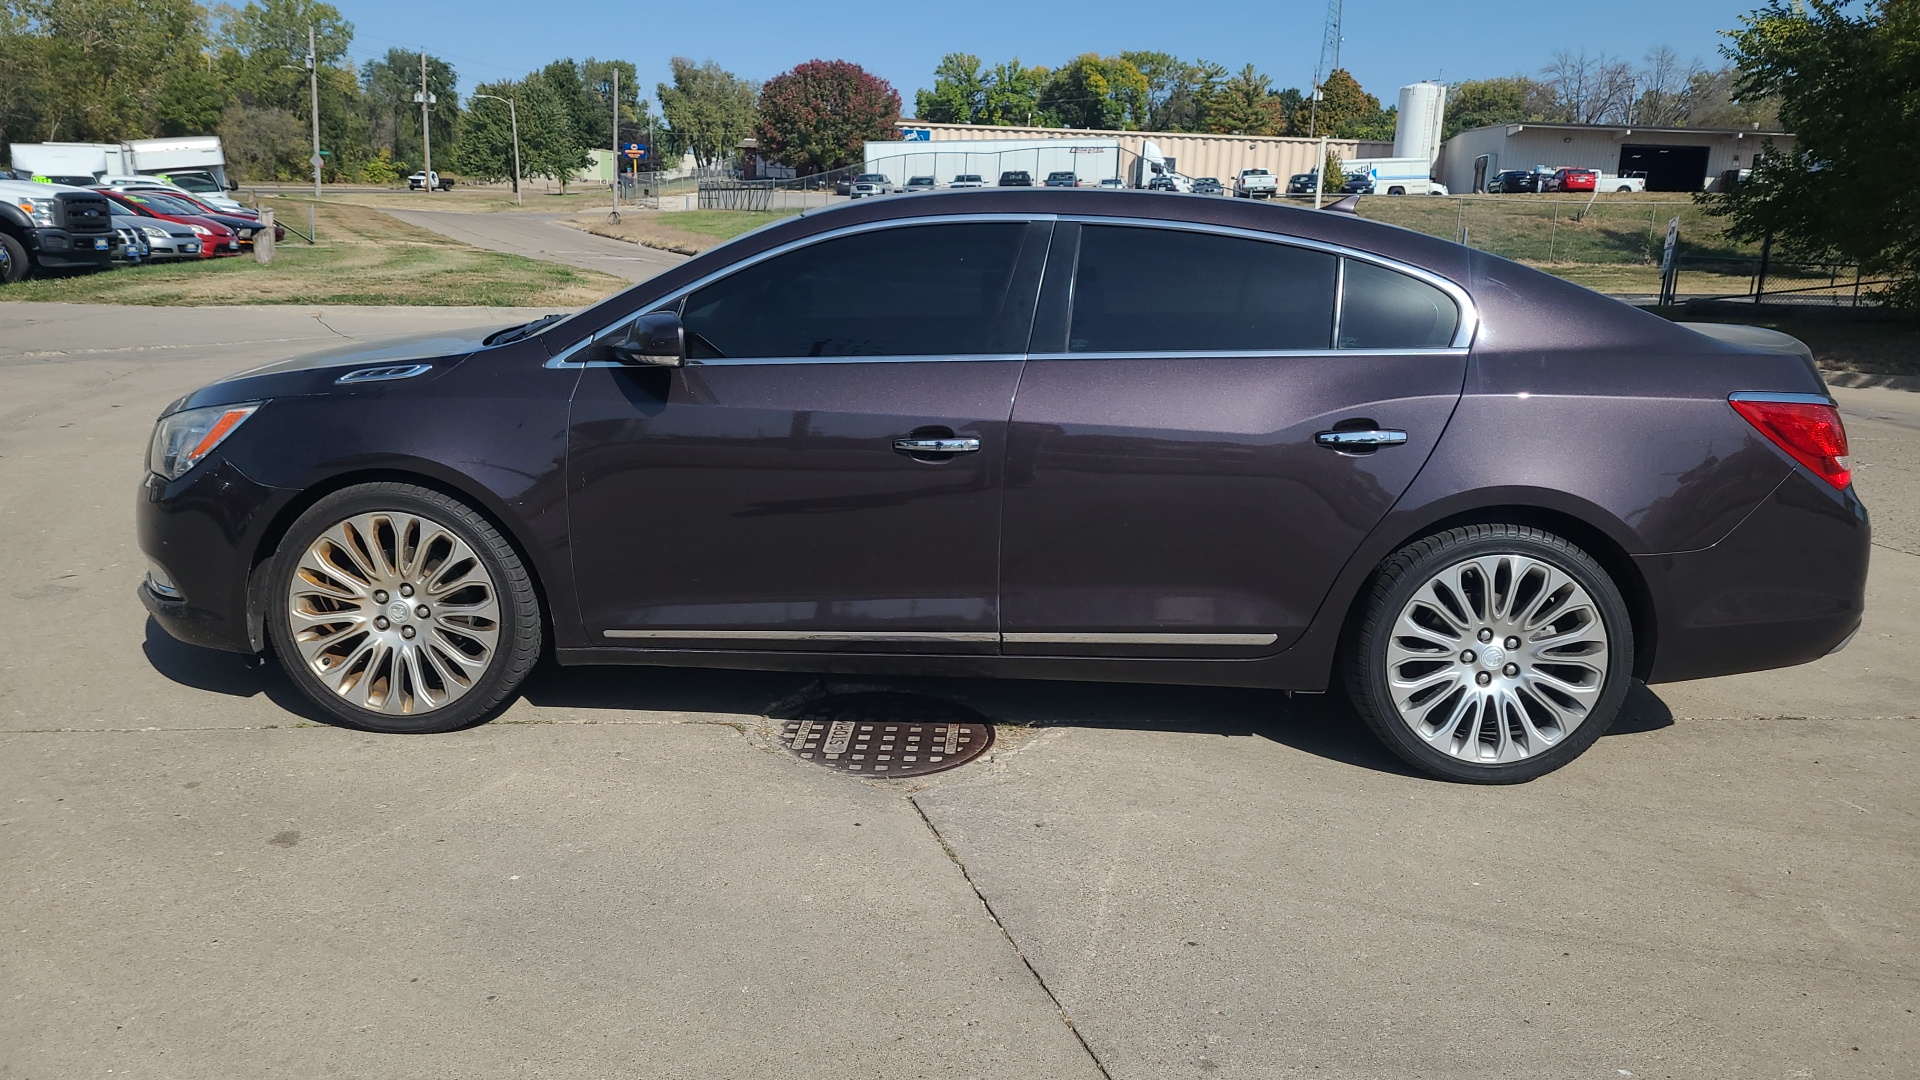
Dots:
{"x": 398, "y": 611}
{"x": 1491, "y": 656}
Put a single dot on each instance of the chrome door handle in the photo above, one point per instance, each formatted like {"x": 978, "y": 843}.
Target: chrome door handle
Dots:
{"x": 936, "y": 446}
{"x": 1358, "y": 440}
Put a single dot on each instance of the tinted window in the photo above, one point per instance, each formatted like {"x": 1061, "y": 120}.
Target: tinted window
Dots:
{"x": 1165, "y": 290}
{"x": 922, "y": 290}
{"x": 1385, "y": 309}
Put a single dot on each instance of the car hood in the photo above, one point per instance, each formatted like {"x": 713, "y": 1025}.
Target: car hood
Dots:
{"x": 316, "y": 373}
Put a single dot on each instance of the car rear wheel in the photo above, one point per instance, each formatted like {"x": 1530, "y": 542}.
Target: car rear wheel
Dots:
{"x": 1490, "y": 654}
{"x": 396, "y": 608}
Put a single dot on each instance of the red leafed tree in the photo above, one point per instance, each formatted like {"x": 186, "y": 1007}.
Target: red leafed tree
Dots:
{"x": 820, "y": 115}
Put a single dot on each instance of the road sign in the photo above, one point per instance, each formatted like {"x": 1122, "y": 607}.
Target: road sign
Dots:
{"x": 635, "y": 150}
{"x": 916, "y": 134}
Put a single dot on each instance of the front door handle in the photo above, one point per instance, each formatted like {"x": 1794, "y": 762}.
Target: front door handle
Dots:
{"x": 922, "y": 445}
{"x": 1360, "y": 440}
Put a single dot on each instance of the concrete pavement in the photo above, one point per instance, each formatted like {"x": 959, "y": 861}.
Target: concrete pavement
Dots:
{"x": 625, "y": 876}
{"x": 541, "y": 236}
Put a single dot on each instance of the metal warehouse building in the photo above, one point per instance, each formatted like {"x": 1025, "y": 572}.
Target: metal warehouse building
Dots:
{"x": 1673, "y": 159}
{"x": 1191, "y": 153}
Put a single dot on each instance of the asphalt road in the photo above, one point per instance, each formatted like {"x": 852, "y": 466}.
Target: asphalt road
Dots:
{"x": 625, "y": 877}
{"x": 541, "y": 236}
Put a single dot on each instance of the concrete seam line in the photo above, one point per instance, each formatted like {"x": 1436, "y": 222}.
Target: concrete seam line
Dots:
{"x": 1065, "y": 1018}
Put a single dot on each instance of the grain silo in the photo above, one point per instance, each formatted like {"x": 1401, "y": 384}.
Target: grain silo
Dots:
{"x": 1423, "y": 113}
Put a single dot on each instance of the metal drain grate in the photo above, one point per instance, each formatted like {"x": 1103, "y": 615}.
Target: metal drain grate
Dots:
{"x": 887, "y": 735}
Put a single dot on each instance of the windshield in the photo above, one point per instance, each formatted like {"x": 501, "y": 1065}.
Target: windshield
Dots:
{"x": 196, "y": 184}
{"x": 872, "y": 178}
{"x": 162, "y": 204}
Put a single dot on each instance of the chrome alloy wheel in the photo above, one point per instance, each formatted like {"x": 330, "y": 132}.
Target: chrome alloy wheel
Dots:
{"x": 393, "y": 612}
{"x": 1497, "y": 659}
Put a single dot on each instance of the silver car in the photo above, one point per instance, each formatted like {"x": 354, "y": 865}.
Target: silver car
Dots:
{"x": 872, "y": 184}
{"x": 169, "y": 240}
{"x": 967, "y": 180}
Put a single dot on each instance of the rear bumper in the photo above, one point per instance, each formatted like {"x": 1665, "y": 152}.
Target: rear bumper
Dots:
{"x": 1786, "y": 587}
{"x": 58, "y": 249}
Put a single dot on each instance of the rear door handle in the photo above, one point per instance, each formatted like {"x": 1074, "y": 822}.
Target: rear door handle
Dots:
{"x": 919, "y": 445}
{"x": 1360, "y": 440}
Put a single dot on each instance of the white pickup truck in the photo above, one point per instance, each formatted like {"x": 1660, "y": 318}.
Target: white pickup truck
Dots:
{"x": 1255, "y": 184}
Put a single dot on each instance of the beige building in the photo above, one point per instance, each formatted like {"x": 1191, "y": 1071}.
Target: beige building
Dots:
{"x": 1672, "y": 159}
{"x": 1190, "y": 153}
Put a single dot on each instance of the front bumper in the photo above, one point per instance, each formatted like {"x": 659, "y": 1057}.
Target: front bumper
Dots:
{"x": 58, "y": 249}
{"x": 204, "y": 531}
{"x": 1786, "y": 587}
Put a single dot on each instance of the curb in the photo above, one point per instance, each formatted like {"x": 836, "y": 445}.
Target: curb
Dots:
{"x": 1865, "y": 380}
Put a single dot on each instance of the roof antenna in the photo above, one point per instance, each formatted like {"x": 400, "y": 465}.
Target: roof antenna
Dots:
{"x": 1348, "y": 205}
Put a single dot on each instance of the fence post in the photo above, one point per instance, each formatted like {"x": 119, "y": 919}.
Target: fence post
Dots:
{"x": 1766, "y": 255}
{"x": 1554, "y": 234}
{"x": 263, "y": 237}
{"x": 1856, "y": 284}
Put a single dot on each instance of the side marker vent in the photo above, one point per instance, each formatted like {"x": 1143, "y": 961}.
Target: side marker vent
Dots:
{"x": 383, "y": 374}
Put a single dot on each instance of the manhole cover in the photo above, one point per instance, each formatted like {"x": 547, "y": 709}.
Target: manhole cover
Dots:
{"x": 887, "y": 734}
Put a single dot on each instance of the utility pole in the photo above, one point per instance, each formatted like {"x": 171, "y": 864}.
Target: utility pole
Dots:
{"x": 513, "y": 117}
{"x": 426, "y": 136}
{"x": 313, "y": 85}
{"x": 616, "y": 143}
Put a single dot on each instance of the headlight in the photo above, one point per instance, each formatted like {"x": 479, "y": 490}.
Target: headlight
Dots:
{"x": 40, "y": 210}
{"x": 180, "y": 441}
{"x": 157, "y": 234}
{"x": 200, "y": 230}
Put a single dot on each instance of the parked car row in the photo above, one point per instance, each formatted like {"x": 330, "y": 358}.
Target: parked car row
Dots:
{"x": 116, "y": 221}
{"x": 1541, "y": 179}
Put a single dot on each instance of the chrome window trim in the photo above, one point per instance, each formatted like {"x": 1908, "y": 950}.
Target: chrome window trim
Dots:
{"x": 1784, "y": 399}
{"x": 1339, "y": 299}
{"x": 756, "y": 361}
{"x": 1462, "y": 337}
{"x": 561, "y": 359}
{"x": 1469, "y": 312}
{"x": 1238, "y": 354}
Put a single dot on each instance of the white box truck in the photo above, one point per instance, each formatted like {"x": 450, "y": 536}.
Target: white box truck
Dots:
{"x": 194, "y": 162}
{"x": 1391, "y": 176}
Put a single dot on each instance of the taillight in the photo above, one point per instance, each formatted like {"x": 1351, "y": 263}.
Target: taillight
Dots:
{"x": 1807, "y": 427}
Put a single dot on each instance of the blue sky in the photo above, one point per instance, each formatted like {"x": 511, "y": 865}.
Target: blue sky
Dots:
{"x": 1387, "y": 42}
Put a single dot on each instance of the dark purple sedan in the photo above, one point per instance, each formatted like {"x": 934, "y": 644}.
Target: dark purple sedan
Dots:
{"x": 1038, "y": 433}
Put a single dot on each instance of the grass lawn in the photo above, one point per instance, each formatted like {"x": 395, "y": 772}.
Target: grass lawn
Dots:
{"x": 365, "y": 257}
{"x": 688, "y": 232}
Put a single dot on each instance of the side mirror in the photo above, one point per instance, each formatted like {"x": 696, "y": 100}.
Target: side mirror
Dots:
{"x": 655, "y": 339}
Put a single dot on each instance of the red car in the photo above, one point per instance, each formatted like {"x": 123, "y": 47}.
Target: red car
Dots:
{"x": 215, "y": 238}
{"x": 1573, "y": 180}
{"x": 246, "y": 222}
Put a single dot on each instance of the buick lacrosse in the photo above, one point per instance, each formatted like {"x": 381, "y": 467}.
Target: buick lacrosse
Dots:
{"x": 1040, "y": 433}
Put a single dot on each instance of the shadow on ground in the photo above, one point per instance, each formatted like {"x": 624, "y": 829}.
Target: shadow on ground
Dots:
{"x": 1319, "y": 724}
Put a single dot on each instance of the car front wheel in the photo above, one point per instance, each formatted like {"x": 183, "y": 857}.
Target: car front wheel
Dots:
{"x": 396, "y": 608}
{"x": 1490, "y": 654}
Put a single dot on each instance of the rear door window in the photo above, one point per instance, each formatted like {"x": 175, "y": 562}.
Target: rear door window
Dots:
{"x": 1386, "y": 309}
{"x": 921, "y": 290}
{"x": 1138, "y": 289}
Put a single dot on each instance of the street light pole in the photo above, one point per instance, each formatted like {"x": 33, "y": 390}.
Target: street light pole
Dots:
{"x": 513, "y": 117}
{"x": 616, "y": 144}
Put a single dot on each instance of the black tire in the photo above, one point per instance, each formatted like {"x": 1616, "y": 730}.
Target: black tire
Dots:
{"x": 518, "y": 626}
{"x": 1364, "y": 664}
{"x": 14, "y": 265}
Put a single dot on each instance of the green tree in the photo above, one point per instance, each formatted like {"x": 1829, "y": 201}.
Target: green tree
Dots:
{"x": 1712, "y": 100}
{"x": 263, "y": 142}
{"x": 190, "y": 101}
{"x": 549, "y": 143}
{"x": 387, "y": 87}
{"x": 486, "y": 132}
{"x": 1480, "y": 103}
{"x": 94, "y": 69}
{"x": 1844, "y": 82}
{"x": 707, "y": 110}
{"x": 1179, "y": 93}
{"x": 1245, "y": 104}
{"x": 1348, "y": 112}
{"x": 1098, "y": 92}
{"x": 1013, "y": 96}
{"x": 959, "y": 92}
